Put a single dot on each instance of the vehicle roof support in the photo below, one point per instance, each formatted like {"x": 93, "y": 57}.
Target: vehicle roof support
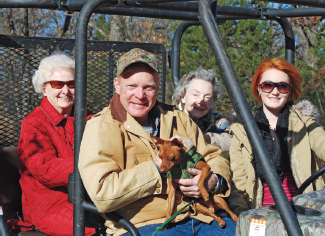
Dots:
{"x": 243, "y": 110}
{"x": 289, "y": 39}
{"x": 182, "y": 10}
{"x": 175, "y": 57}
{"x": 311, "y": 3}
{"x": 81, "y": 110}
{"x": 262, "y": 13}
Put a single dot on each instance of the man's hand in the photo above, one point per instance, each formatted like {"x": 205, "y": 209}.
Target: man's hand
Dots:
{"x": 157, "y": 160}
{"x": 178, "y": 137}
{"x": 189, "y": 187}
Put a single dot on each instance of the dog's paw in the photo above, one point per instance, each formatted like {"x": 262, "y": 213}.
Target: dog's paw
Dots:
{"x": 222, "y": 224}
{"x": 206, "y": 197}
{"x": 163, "y": 228}
{"x": 234, "y": 217}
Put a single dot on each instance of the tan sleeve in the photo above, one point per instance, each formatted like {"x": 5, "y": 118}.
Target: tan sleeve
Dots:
{"x": 237, "y": 199}
{"x": 316, "y": 136}
{"x": 101, "y": 166}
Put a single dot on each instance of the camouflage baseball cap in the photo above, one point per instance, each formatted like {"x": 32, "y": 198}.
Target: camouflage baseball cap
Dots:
{"x": 136, "y": 55}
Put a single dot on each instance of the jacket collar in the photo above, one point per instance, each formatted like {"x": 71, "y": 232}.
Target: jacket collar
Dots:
{"x": 117, "y": 110}
{"x": 206, "y": 122}
{"x": 294, "y": 126}
{"x": 54, "y": 116}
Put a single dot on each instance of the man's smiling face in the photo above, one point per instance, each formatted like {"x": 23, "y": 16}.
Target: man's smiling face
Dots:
{"x": 138, "y": 92}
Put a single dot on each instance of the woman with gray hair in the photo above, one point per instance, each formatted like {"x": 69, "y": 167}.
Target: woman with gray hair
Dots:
{"x": 45, "y": 149}
{"x": 195, "y": 95}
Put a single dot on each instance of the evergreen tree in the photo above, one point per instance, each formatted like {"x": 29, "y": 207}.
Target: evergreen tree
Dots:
{"x": 247, "y": 42}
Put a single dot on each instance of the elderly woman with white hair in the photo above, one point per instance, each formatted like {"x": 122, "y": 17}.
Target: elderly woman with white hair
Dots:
{"x": 195, "y": 95}
{"x": 45, "y": 149}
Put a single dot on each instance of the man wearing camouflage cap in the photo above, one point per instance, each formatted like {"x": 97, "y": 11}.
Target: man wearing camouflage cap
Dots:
{"x": 118, "y": 160}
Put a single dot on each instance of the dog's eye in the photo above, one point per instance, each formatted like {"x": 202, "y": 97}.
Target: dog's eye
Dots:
{"x": 170, "y": 158}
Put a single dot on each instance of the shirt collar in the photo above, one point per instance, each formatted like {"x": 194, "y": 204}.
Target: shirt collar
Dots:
{"x": 154, "y": 113}
{"x": 50, "y": 111}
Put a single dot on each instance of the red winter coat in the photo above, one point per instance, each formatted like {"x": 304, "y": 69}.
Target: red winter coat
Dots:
{"x": 45, "y": 152}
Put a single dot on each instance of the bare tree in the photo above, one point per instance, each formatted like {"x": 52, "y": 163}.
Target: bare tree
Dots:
{"x": 118, "y": 28}
{"x": 38, "y": 22}
{"x": 306, "y": 30}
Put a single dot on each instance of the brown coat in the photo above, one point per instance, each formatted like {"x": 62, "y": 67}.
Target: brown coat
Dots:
{"x": 118, "y": 172}
{"x": 306, "y": 138}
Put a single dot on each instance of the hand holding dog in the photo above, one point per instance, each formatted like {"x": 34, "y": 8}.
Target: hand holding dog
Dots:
{"x": 172, "y": 153}
{"x": 190, "y": 187}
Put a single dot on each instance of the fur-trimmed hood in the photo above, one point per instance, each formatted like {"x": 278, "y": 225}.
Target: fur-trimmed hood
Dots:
{"x": 308, "y": 109}
{"x": 304, "y": 106}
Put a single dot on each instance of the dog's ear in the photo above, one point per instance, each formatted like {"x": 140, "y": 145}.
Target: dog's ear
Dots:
{"x": 176, "y": 142}
{"x": 156, "y": 140}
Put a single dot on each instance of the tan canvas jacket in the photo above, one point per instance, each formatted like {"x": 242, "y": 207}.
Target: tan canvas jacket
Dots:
{"x": 306, "y": 141}
{"x": 119, "y": 175}
{"x": 210, "y": 124}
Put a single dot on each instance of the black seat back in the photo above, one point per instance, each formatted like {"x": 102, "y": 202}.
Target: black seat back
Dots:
{"x": 20, "y": 57}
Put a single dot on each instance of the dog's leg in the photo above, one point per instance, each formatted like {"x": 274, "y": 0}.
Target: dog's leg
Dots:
{"x": 205, "y": 172}
{"x": 205, "y": 211}
{"x": 171, "y": 199}
{"x": 208, "y": 204}
{"x": 220, "y": 203}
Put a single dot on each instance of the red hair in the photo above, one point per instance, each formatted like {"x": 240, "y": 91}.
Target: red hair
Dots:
{"x": 281, "y": 65}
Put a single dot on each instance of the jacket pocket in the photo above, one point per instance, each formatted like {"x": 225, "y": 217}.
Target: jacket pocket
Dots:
{"x": 136, "y": 159}
{"x": 53, "y": 199}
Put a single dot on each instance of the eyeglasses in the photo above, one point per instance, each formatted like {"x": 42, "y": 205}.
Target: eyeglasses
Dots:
{"x": 268, "y": 87}
{"x": 60, "y": 84}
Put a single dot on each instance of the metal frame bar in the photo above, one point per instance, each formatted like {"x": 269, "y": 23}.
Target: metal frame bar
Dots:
{"x": 112, "y": 216}
{"x": 171, "y": 9}
{"x": 313, "y": 177}
{"x": 80, "y": 110}
{"x": 175, "y": 53}
{"x": 310, "y": 3}
{"x": 289, "y": 39}
{"x": 243, "y": 110}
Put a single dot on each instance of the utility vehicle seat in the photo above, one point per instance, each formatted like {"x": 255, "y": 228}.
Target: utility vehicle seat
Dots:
{"x": 10, "y": 191}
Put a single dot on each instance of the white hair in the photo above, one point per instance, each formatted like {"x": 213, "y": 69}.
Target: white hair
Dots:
{"x": 48, "y": 65}
{"x": 199, "y": 73}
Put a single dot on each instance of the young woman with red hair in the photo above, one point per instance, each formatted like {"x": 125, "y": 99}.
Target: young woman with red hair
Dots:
{"x": 293, "y": 137}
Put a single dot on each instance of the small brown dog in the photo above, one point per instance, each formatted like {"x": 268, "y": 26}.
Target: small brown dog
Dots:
{"x": 172, "y": 153}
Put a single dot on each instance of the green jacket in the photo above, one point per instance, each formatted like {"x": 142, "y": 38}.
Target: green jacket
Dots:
{"x": 179, "y": 171}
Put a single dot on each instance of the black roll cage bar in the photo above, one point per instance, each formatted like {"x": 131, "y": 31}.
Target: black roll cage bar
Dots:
{"x": 206, "y": 13}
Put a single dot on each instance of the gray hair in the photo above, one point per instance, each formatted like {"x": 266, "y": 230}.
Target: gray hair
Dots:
{"x": 199, "y": 73}
{"x": 48, "y": 65}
